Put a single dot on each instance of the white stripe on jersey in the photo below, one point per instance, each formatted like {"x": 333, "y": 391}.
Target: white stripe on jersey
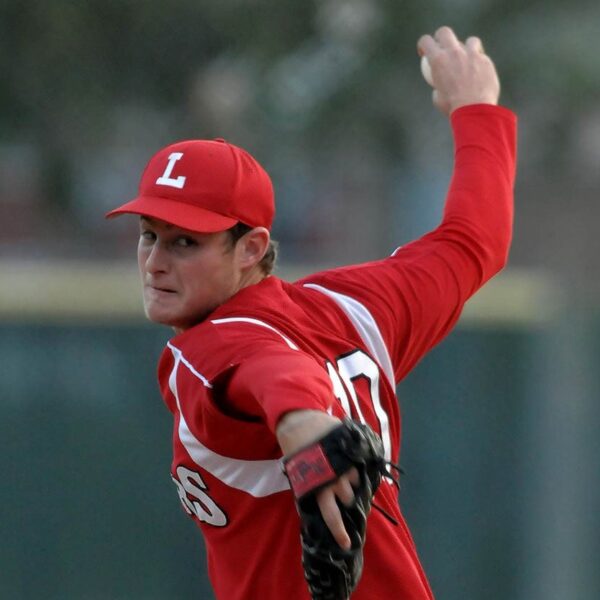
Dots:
{"x": 256, "y": 322}
{"x": 366, "y": 326}
{"x": 256, "y": 477}
{"x": 179, "y": 356}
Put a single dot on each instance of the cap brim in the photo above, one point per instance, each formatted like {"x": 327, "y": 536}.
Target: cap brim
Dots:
{"x": 181, "y": 214}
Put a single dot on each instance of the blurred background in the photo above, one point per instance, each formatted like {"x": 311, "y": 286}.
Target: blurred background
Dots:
{"x": 501, "y": 451}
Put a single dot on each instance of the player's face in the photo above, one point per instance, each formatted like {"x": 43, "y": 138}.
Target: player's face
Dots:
{"x": 185, "y": 275}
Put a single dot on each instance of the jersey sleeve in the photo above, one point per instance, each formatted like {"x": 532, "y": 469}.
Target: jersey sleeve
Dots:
{"x": 252, "y": 373}
{"x": 416, "y": 295}
{"x": 276, "y": 380}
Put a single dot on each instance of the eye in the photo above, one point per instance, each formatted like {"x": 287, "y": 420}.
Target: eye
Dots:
{"x": 148, "y": 235}
{"x": 184, "y": 241}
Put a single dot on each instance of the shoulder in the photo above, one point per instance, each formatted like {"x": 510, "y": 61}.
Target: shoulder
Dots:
{"x": 363, "y": 282}
{"x": 217, "y": 345}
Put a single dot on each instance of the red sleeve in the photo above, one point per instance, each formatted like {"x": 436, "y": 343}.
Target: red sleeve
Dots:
{"x": 252, "y": 373}
{"x": 279, "y": 379}
{"x": 416, "y": 295}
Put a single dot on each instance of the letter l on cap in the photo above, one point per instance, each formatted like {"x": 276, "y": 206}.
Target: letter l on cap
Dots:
{"x": 166, "y": 179}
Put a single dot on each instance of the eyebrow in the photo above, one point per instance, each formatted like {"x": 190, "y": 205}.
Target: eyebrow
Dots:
{"x": 152, "y": 221}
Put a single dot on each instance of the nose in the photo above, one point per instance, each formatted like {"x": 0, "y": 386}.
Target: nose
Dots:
{"x": 156, "y": 260}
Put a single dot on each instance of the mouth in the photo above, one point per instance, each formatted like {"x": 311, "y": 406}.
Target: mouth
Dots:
{"x": 161, "y": 290}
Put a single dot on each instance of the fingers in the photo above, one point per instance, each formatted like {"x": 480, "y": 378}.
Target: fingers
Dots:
{"x": 474, "y": 44}
{"x": 353, "y": 476}
{"x": 446, "y": 38}
{"x": 427, "y": 46}
{"x": 333, "y": 518}
{"x": 343, "y": 490}
{"x": 326, "y": 499}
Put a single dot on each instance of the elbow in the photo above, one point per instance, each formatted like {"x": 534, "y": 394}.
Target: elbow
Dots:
{"x": 488, "y": 248}
{"x": 496, "y": 255}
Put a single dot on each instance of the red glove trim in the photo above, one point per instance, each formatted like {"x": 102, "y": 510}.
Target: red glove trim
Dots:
{"x": 309, "y": 469}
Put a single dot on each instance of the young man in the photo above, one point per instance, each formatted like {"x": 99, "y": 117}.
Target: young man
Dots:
{"x": 261, "y": 368}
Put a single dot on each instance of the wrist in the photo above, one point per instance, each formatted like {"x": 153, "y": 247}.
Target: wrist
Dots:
{"x": 299, "y": 428}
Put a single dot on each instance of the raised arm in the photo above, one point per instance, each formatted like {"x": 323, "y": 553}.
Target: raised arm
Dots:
{"x": 416, "y": 296}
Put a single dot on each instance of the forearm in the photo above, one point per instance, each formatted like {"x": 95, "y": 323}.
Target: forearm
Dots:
{"x": 474, "y": 236}
{"x": 479, "y": 208}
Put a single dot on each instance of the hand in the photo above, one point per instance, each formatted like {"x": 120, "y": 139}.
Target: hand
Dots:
{"x": 462, "y": 73}
{"x": 300, "y": 428}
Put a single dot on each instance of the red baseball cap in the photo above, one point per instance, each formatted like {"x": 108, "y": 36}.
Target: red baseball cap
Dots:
{"x": 204, "y": 186}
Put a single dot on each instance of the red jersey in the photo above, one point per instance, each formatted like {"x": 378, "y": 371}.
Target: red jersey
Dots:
{"x": 338, "y": 341}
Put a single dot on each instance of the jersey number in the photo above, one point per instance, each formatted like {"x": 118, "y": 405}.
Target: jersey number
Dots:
{"x": 348, "y": 369}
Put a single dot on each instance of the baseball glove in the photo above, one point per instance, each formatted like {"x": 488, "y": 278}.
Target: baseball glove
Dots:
{"x": 331, "y": 572}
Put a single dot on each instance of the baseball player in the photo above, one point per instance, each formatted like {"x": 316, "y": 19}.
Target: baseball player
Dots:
{"x": 286, "y": 423}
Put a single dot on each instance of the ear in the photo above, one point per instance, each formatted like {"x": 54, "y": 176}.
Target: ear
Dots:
{"x": 252, "y": 246}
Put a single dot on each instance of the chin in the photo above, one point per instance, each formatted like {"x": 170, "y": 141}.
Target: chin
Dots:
{"x": 160, "y": 320}
{"x": 160, "y": 316}
{"x": 178, "y": 322}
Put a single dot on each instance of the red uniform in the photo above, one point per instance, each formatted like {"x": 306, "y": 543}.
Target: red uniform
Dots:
{"x": 338, "y": 341}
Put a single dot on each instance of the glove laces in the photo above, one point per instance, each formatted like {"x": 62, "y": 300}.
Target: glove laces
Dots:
{"x": 386, "y": 471}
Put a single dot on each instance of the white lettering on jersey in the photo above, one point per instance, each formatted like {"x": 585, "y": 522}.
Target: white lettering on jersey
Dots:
{"x": 166, "y": 179}
{"x": 353, "y": 366}
{"x": 338, "y": 389}
{"x": 190, "y": 487}
{"x": 358, "y": 364}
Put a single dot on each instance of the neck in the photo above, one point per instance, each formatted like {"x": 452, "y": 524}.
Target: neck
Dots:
{"x": 254, "y": 276}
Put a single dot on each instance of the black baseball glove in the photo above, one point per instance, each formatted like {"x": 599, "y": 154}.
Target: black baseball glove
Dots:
{"x": 331, "y": 572}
